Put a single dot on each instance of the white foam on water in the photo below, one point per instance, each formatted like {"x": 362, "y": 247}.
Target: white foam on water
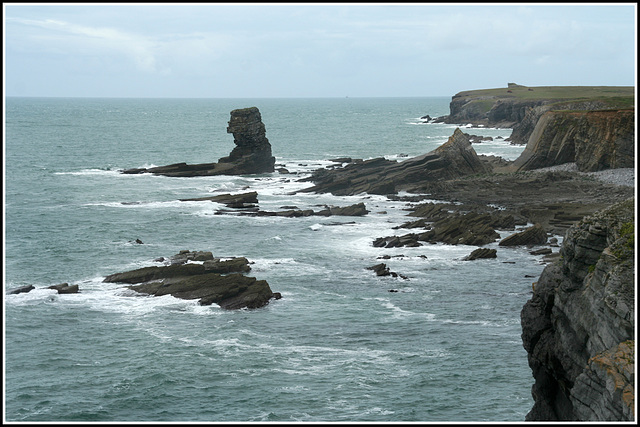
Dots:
{"x": 398, "y": 313}
{"x": 85, "y": 172}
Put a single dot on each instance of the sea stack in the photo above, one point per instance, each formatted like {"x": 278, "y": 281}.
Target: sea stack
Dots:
{"x": 252, "y": 154}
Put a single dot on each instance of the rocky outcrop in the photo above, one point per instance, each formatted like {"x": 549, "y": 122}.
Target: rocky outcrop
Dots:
{"x": 453, "y": 159}
{"x": 20, "y": 290}
{"x": 241, "y": 200}
{"x": 251, "y": 155}
{"x": 382, "y": 270}
{"x": 578, "y": 328}
{"x": 534, "y": 235}
{"x": 523, "y": 128}
{"x": 65, "y": 288}
{"x": 481, "y": 253}
{"x": 491, "y": 110}
{"x": 215, "y": 280}
{"x": 451, "y": 224}
{"x": 594, "y": 140}
{"x": 62, "y": 288}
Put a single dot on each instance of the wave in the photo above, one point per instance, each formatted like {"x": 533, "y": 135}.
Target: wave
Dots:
{"x": 84, "y": 172}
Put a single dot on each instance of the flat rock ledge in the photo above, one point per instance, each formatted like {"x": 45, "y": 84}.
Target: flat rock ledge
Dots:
{"x": 199, "y": 275}
{"x": 246, "y": 204}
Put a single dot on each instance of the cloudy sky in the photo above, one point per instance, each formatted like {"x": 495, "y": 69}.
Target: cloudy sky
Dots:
{"x": 312, "y": 50}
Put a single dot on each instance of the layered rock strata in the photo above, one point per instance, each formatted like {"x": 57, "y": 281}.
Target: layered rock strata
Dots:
{"x": 246, "y": 204}
{"x": 578, "y": 328}
{"x": 214, "y": 281}
{"x": 594, "y": 140}
{"x": 453, "y": 159}
{"x": 251, "y": 155}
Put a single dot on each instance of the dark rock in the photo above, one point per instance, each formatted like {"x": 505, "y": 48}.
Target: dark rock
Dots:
{"x": 65, "y": 288}
{"x": 215, "y": 281}
{"x": 481, "y": 253}
{"x": 476, "y": 139}
{"x": 578, "y": 327}
{"x": 186, "y": 255}
{"x": 231, "y": 200}
{"x": 380, "y": 269}
{"x": 453, "y": 159}
{"x": 342, "y": 160}
{"x": 146, "y": 274}
{"x": 534, "y": 235}
{"x": 233, "y": 265}
{"x": 20, "y": 290}
{"x": 543, "y": 251}
{"x": 251, "y": 155}
{"x": 358, "y": 209}
{"x": 568, "y": 136}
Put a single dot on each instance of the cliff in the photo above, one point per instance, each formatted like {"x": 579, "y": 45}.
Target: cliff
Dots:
{"x": 594, "y": 140}
{"x": 578, "y": 328}
{"x": 519, "y": 107}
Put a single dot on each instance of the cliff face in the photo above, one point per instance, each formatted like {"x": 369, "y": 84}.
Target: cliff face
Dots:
{"x": 490, "y": 110}
{"x": 578, "y": 327}
{"x": 594, "y": 140}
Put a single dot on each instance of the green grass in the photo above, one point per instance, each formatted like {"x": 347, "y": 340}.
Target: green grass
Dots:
{"x": 615, "y": 96}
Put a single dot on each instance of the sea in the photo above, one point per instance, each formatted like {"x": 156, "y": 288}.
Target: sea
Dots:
{"x": 441, "y": 344}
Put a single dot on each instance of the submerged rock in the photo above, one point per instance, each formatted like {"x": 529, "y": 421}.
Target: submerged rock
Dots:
{"x": 21, "y": 290}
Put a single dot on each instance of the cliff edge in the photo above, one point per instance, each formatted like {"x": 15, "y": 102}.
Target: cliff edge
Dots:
{"x": 578, "y": 327}
{"x": 519, "y": 107}
{"x": 594, "y": 140}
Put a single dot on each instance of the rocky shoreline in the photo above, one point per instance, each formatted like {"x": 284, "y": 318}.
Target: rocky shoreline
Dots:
{"x": 562, "y": 185}
{"x": 578, "y": 327}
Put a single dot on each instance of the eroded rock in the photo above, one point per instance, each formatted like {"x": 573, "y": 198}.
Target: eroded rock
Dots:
{"x": 251, "y": 155}
{"x": 211, "y": 280}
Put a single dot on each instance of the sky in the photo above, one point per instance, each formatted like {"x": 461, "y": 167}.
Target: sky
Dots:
{"x": 285, "y": 50}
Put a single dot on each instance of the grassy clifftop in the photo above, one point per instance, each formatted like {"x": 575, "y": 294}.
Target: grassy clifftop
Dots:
{"x": 614, "y": 96}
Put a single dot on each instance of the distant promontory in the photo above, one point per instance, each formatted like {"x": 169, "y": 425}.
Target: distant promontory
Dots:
{"x": 519, "y": 107}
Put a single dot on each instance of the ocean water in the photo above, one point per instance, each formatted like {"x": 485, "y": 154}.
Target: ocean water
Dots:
{"x": 338, "y": 346}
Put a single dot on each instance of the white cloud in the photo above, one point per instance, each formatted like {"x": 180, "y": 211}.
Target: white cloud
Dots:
{"x": 64, "y": 38}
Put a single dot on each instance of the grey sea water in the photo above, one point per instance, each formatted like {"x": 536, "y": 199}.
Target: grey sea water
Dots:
{"x": 338, "y": 346}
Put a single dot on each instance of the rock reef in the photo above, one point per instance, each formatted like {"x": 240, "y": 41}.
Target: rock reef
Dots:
{"x": 213, "y": 281}
{"x": 251, "y": 155}
{"x": 453, "y": 159}
{"x": 578, "y": 328}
